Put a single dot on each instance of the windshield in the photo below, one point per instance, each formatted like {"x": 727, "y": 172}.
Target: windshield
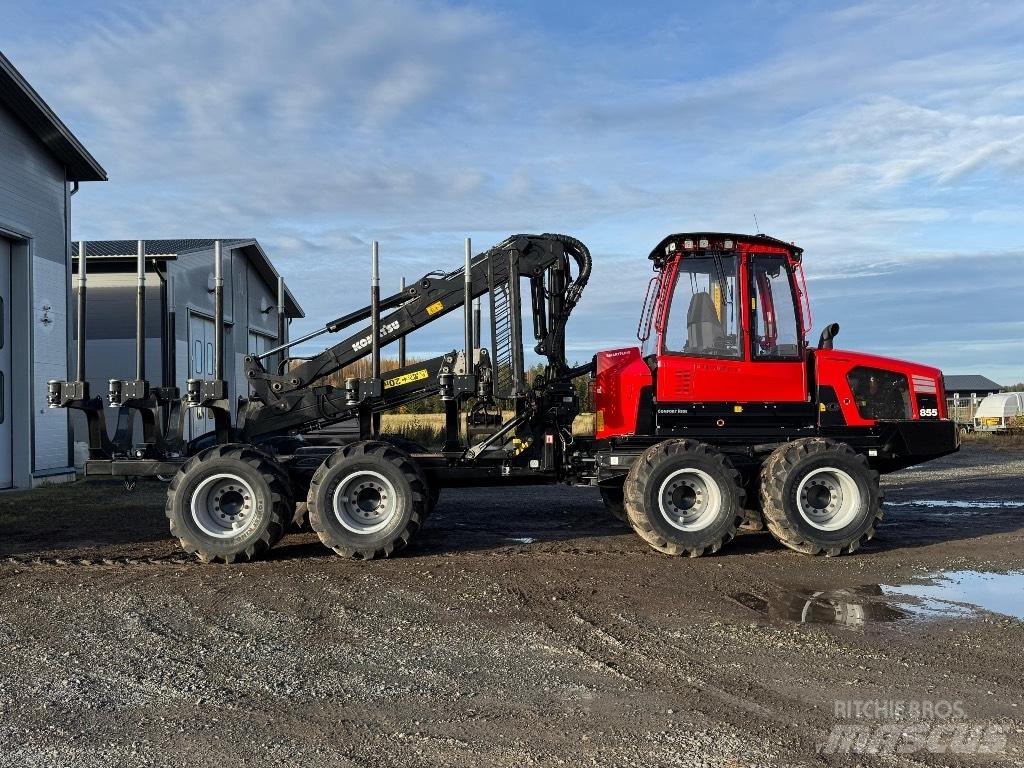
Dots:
{"x": 702, "y": 317}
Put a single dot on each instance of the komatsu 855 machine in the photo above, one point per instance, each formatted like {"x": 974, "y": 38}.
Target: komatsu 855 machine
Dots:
{"x": 722, "y": 414}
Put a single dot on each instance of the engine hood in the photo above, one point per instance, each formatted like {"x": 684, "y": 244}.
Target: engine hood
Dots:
{"x": 843, "y": 357}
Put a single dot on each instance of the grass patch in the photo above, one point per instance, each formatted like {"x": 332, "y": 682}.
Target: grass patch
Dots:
{"x": 426, "y": 428}
{"x": 999, "y": 441}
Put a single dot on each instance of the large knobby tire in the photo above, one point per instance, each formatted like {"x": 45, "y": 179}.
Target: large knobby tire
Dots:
{"x": 410, "y": 446}
{"x": 684, "y": 498}
{"x": 818, "y": 495}
{"x": 402, "y": 443}
{"x": 229, "y": 503}
{"x": 367, "y": 500}
{"x": 612, "y": 496}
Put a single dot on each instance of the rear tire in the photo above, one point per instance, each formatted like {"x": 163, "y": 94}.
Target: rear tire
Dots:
{"x": 367, "y": 500}
{"x": 614, "y": 502}
{"x": 684, "y": 498}
{"x": 229, "y": 503}
{"x": 409, "y": 446}
{"x": 818, "y": 496}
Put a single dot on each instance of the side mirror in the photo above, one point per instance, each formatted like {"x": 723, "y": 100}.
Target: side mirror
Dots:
{"x": 830, "y": 332}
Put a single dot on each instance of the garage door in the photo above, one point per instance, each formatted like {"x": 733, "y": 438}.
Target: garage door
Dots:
{"x": 6, "y": 470}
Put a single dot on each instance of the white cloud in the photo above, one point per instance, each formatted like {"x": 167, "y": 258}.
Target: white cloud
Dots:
{"x": 876, "y": 136}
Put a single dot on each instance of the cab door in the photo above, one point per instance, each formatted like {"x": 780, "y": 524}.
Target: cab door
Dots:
{"x": 700, "y": 334}
{"x": 730, "y": 331}
{"x": 777, "y": 368}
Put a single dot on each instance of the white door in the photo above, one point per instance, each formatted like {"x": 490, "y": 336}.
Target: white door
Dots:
{"x": 200, "y": 366}
{"x": 6, "y": 451}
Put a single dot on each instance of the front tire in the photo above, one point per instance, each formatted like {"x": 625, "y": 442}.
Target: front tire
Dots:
{"x": 819, "y": 496}
{"x": 367, "y": 500}
{"x": 684, "y": 498}
{"x": 229, "y": 503}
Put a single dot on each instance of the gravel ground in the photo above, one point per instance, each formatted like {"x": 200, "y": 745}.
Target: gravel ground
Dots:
{"x": 525, "y": 627}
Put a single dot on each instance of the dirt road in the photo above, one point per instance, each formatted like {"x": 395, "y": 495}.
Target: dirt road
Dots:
{"x": 524, "y": 628}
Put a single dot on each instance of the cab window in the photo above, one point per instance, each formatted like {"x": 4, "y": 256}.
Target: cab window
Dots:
{"x": 774, "y": 331}
{"x": 702, "y": 317}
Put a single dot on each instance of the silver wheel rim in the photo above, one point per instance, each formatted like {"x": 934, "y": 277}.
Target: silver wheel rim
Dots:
{"x": 224, "y": 506}
{"x": 365, "y": 502}
{"x": 829, "y": 499}
{"x": 689, "y": 499}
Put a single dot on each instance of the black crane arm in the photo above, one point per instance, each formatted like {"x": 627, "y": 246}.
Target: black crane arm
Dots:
{"x": 296, "y": 400}
{"x": 436, "y": 294}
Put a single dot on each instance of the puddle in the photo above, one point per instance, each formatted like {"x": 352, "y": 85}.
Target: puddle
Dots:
{"x": 943, "y": 503}
{"x": 955, "y": 594}
{"x": 965, "y": 592}
{"x": 850, "y": 607}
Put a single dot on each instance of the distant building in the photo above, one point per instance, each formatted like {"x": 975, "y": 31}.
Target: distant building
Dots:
{"x": 179, "y": 315}
{"x": 41, "y": 164}
{"x": 970, "y": 387}
{"x": 964, "y": 392}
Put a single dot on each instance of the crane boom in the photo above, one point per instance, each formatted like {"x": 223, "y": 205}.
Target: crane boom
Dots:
{"x": 291, "y": 399}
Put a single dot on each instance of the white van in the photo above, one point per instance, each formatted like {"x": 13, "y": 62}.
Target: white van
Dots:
{"x": 997, "y": 412}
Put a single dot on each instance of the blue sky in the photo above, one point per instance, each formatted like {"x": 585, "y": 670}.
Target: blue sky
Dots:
{"x": 885, "y": 138}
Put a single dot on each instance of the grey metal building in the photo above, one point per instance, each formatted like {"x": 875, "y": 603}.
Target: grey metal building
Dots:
{"x": 179, "y": 315}
{"x": 969, "y": 386}
{"x": 965, "y": 392}
{"x": 41, "y": 164}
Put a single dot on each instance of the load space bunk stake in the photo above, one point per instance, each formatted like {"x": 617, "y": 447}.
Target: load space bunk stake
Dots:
{"x": 212, "y": 394}
{"x": 80, "y": 314}
{"x": 75, "y": 394}
{"x": 159, "y": 408}
{"x": 282, "y": 323}
{"x": 467, "y": 306}
{"x": 370, "y": 426}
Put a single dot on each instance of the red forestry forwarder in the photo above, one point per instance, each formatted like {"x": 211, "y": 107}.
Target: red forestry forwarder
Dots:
{"x": 730, "y": 415}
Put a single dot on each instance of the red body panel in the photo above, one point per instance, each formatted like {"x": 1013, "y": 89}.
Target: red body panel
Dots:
{"x": 622, "y": 374}
{"x": 832, "y": 365}
{"x": 619, "y": 377}
{"x": 708, "y": 380}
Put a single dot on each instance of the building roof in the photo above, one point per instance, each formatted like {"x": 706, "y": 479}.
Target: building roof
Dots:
{"x": 969, "y": 383}
{"x": 171, "y": 249}
{"x": 30, "y": 108}
{"x": 124, "y": 249}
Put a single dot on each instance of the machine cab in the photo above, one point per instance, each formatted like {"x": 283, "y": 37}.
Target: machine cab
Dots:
{"x": 729, "y": 320}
